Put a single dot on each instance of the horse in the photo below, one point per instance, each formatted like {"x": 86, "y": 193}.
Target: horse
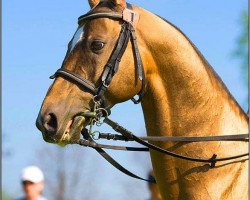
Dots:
{"x": 180, "y": 94}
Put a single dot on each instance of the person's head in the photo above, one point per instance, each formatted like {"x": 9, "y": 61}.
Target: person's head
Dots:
{"x": 32, "y": 179}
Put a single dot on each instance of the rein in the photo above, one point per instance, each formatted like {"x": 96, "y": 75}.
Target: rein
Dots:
{"x": 125, "y": 135}
{"x": 128, "y": 17}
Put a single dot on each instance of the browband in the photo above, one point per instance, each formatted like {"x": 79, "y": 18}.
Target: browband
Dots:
{"x": 111, "y": 15}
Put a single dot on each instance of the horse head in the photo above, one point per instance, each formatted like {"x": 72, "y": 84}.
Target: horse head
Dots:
{"x": 90, "y": 58}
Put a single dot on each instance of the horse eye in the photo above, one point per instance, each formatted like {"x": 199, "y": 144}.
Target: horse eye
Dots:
{"x": 96, "y": 45}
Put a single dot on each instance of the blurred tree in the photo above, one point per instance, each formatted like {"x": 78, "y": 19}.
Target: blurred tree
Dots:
{"x": 241, "y": 51}
{"x": 71, "y": 173}
{"x": 66, "y": 176}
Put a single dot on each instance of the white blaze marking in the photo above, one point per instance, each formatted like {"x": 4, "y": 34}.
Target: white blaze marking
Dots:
{"x": 76, "y": 38}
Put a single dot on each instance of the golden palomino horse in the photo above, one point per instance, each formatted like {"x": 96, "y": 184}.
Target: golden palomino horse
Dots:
{"x": 180, "y": 95}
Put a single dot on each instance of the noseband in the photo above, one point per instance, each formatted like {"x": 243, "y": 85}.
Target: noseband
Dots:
{"x": 128, "y": 17}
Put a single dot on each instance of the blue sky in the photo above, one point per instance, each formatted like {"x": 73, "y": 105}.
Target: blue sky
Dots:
{"x": 35, "y": 35}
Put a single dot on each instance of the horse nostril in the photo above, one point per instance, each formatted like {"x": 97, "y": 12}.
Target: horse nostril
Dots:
{"x": 50, "y": 123}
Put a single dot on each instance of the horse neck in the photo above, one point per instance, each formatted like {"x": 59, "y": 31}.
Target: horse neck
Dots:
{"x": 184, "y": 96}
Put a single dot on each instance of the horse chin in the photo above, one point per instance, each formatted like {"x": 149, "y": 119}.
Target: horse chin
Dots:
{"x": 72, "y": 131}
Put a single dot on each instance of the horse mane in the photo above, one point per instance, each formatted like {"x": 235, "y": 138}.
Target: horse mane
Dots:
{"x": 210, "y": 69}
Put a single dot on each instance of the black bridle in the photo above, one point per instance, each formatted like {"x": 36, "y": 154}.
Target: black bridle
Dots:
{"x": 127, "y": 33}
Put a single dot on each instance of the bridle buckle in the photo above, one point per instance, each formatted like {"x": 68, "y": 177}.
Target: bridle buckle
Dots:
{"x": 130, "y": 16}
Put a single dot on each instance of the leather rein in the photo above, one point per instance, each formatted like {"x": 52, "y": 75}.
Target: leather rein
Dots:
{"x": 127, "y": 33}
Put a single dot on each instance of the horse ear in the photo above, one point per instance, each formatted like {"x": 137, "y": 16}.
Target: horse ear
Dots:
{"x": 93, "y": 3}
{"x": 121, "y": 3}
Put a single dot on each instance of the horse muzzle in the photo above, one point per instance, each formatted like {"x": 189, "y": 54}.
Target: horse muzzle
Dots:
{"x": 68, "y": 133}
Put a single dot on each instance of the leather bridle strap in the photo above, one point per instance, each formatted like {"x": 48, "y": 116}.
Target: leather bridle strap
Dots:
{"x": 133, "y": 137}
{"x": 106, "y": 156}
{"x": 129, "y": 136}
{"x": 121, "y": 168}
{"x": 113, "y": 63}
{"x": 90, "y": 15}
{"x": 71, "y": 76}
{"x": 139, "y": 64}
{"x": 240, "y": 137}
